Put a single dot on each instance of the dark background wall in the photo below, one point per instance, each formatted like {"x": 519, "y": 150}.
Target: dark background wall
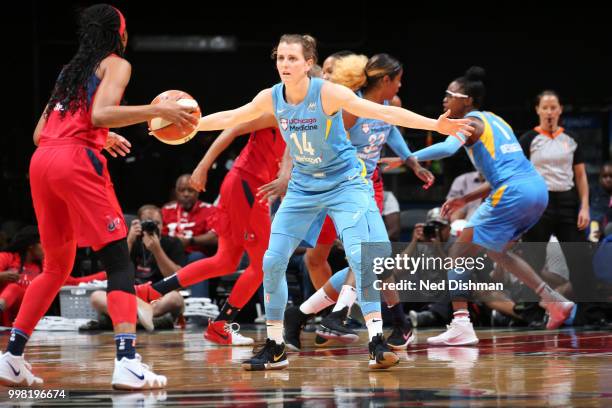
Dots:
{"x": 523, "y": 49}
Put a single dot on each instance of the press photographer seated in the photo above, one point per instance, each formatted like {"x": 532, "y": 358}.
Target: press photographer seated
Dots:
{"x": 155, "y": 256}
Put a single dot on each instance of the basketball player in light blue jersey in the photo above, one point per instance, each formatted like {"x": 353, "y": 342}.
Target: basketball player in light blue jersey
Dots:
{"x": 377, "y": 79}
{"x": 327, "y": 178}
{"x": 516, "y": 196}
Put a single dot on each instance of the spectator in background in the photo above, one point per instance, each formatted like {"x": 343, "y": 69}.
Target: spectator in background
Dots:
{"x": 436, "y": 232}
{"x": 462, "y": 185}
{"x": 20, "y": 262}
{"x": 391, "y": 215}
{"x": 601, "y": 202}
{"x": 155, "y": 256}
{"x": 187, "y": 219}
{"x": 557, "y": 156}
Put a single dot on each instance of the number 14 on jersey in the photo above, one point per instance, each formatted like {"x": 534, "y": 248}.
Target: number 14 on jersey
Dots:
{"x": 305, "y": 146}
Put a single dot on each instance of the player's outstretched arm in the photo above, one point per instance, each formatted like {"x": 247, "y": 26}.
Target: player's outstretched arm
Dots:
{"x": 260, "y": 105}
{"x": 340, "y": 97}
{"x": 441, "y": 150}
{"x": 451, "y": 144}
{"x": 200, "y": 174}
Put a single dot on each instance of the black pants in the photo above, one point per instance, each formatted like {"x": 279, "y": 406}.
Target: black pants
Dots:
{"x": 560, "y": 218}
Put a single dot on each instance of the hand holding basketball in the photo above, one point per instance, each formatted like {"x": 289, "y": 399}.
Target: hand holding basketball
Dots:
{"x": 179, "y": 115}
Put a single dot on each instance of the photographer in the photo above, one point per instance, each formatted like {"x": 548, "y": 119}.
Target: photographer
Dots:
{"x": 155, "y": 257}
{"x": 431, "y": 239}
{"x": 436, "y": 231}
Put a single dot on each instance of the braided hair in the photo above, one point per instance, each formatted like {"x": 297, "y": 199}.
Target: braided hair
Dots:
{"x": 98, "y": 33}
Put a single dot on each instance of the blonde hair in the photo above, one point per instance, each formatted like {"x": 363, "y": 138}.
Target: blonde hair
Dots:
{"x": 357, "y": 71}
{"x": 350, "y": 71}
{"x": 308, "y": 42}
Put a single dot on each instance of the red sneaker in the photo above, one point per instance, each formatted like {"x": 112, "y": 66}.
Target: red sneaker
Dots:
{"x": 558, "y": 312}
{"x": 226, "y": 334}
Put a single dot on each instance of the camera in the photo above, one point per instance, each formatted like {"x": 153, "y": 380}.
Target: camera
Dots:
{"x": 150, "y": 226}
{"x": 430, "y": 230}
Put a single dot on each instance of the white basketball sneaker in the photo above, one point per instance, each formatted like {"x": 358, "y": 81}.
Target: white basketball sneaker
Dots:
{"x": 459, "y": 333}
{"x": 133, "y": 374}
{"x": 15, "y": 371}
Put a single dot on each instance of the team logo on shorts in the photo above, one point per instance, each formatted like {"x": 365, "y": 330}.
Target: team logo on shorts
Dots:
{"x": 312, "y": 106}
{"x": 112, "y": 224}
{"x": 284, "y": 124}
{"x": 365, "y": 128}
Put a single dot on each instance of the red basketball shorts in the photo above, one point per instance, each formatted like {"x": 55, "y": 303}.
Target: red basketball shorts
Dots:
{"x": 73, "y": 196}
{"x": 239, "y": 214}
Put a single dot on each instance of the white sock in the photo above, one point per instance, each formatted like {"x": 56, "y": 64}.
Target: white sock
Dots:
{"x": 347, "y": 297}
{"x": 461, "y": 314}
{"x": 548, "y": 294}
{"x": 375, "y": 327}
{"x": 316, "y": 303}
{"x": 275, "y": 331}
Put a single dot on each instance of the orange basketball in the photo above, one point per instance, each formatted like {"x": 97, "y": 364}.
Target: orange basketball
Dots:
{"x": 168, "y": 132}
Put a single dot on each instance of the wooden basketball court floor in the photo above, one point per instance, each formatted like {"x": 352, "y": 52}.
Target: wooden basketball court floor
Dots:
{"x": 509, "y": 367}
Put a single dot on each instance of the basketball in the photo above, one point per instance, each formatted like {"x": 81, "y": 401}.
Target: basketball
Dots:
{"x": 168, "y": 132}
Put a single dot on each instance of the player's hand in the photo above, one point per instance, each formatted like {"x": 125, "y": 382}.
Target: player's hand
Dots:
{"x": 424, "y": 175}
{"x": 452, "y": 205}
{"x": 117, "y": 145}
{"x": 273, "y": 190}
{"x": 390, "y": 163}
{"x": 421, "y": 172}
{"x": 448, "y": 126}
{"x": 178, "y": 114}
{"x": 583, "y": 219}
{"x": 198, "y": 178}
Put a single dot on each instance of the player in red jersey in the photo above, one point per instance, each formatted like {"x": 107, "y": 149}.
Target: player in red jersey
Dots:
{"x": 241, "y": 221}
{"x": 73, "y": 195}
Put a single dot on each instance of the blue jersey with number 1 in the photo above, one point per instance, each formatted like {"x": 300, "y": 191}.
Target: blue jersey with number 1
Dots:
{"x": 322, "y": 154}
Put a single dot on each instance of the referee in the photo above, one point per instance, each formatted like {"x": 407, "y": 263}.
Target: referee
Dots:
{"x": 557, "y": 156}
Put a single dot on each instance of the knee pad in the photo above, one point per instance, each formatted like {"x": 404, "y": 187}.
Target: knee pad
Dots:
{"x": 119, "y": 268}
{"x": 274, "y": 266}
